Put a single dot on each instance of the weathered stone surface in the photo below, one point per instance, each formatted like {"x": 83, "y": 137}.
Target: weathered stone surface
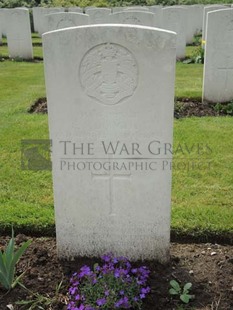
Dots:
{"x": 111, "y": 84}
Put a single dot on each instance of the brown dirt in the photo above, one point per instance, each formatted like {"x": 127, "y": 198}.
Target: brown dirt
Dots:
{"x": 188, "y": 108}
{"x": 183, "y": 108}
{"x": 208, "y": 267}
{"x": 39, "y": 106}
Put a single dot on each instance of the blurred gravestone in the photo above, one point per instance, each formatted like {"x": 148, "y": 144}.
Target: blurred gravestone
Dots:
{"x": 57, "y": 21}
{"x": 18, "y": 30}
{"x": 133, "y": 17}
{"x": 218, "y": 66}
{"x": 208, "y": 9}
{"x": 98, "y": 15}
{"x": 174, "y": 19}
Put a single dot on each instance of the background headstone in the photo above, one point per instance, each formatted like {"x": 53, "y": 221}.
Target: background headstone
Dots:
{"x": 190, "y": 23}
{"x": 218, "y": 66}
{"x": 174, "y": 19}
{"x": 158, "y": 15}
{"x": 136, "y": 8}
{"x": 19, "y": 39}
{"x": 208, "y": 9}
{"x": 116, "y": 9}
{"x": 110, "y": 83}
{"x": 36, "y": 18}
{"x": 4, "y": 20}
{"x": 1, "y": 25}
{"x": 98, "y": 15}
{"x": 43, "y": 26}
{"x": 56, "y": 21}
{"x": 198, "y": 13}
{"x": 75, "y": 9}
{"x": 133, "y": 17}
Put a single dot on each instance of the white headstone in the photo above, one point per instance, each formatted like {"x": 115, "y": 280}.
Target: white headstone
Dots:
{"x": 158, "y": 15}
{"x": 198, "y": 13}
{"x": 43, "y": 26}
{"x": 174, "y": 19}
{"x": 75, "y": 9}
{"x": 98, "y": 15}
{"x": 111, "y": 84}
{"x": 208, "y": 9}
{"x": 190, "y": 23}
{"x": 117, "y": 9}
{"x": 57, "y": 21}
{"x": 4, "y": 20}
{"x": 19, "y": 39}
{"x": 36, "y": 18}
{"x": 38, "y": 22}
{"x": 134, "y": 18}
{"x": 1, "y": 25}
{"x": 218, "y": 66}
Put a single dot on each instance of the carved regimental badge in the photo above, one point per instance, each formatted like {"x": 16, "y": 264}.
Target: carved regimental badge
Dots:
{"x": 109, "y": 73}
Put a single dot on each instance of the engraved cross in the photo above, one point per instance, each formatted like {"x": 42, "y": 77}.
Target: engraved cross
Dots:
{"x": 111, "y": 177}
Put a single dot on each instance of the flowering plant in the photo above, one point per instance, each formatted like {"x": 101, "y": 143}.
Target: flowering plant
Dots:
{"x": 114, "y": 284}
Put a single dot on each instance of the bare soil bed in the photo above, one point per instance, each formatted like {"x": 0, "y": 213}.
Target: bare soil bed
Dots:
{"x": 209, "y": 267}
{"x": 183, "y": 108}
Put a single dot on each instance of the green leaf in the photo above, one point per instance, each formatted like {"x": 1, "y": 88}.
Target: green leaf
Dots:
{"x": 10, "y": 251}
{"x": 185, "y": 298}
{"x": 8, "y": 260}
{"x": 173, "y": 292}
{"x": 16, "y": 281}
{"x": 4, "y": 282}
{"x": 14, "y": 261}
{"x": 2, "y": 265}
{"x": 187, "y": 287}
{"x": 175, "y": 285}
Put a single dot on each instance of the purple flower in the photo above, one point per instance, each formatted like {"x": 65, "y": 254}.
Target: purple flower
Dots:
{"x": 72, "y": 290}
{"x": 123, "y": 303}
{"x": 134, "y": 270}
{"x": 85, "y": 271}
{"x": 101, "y": 301}
{"x": 117, "y": 273}
{"x": 77, "y": 297}
{"x": 145, "y": 290}
{"x": 106, "y": 258}
{"x": 115, "y": 260}
{"x": 114, "y": 277}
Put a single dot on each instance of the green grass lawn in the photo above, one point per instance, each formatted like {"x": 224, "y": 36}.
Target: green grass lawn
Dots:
{"x": 201, "y": 198}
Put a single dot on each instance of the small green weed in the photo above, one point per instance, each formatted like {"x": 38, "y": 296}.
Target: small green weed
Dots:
{"x": 224, "y": 108}
{"x": 183, "y": 293}
{"x": 41, "y": 302}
